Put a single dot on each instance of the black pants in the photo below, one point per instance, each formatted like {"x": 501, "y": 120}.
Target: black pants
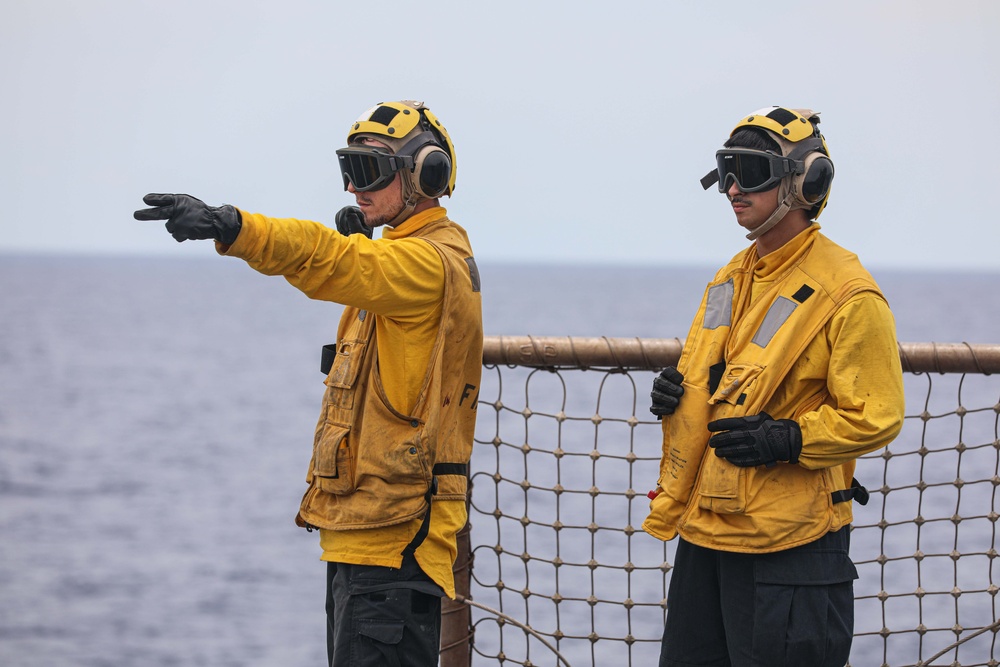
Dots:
{"x": 382, "y": 617}
{"x": 786, "y": 609}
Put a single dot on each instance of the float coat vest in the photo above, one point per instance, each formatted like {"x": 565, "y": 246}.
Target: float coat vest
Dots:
{"x": 373, "y": 466}
{"x": 736, "y": 355}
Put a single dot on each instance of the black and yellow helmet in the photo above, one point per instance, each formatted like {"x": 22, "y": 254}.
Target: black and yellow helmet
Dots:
{"x": 802, "y": 168}
{"x": 420, "y": 148}
{"x": 789, "y": 124}
{"x": 810, "y": 169}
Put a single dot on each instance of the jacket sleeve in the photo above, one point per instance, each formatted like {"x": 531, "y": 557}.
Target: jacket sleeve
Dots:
{"x": 865, "y": 384}
{"x": 399, "y": 279}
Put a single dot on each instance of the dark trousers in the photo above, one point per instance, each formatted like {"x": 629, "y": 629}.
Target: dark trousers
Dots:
{"x": 791, "y": 608}
{"x": 381, "y": 616}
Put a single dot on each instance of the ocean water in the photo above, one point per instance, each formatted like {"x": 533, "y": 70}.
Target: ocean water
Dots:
{"x": 156, "y": 417}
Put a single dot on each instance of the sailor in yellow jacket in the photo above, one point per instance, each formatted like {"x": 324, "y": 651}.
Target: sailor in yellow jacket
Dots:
{"x": 388, "y": 476}
{"x": 789, "y": 373}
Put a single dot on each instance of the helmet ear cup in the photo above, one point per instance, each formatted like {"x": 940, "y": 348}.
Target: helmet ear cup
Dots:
{"x": 431, "y": 172}
{"x": 813, "y": 185}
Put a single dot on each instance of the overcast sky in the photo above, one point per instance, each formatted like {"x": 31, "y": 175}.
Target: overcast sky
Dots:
{"x": 581, "y": 128}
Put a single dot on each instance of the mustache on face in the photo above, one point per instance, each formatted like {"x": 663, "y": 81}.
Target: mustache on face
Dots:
{"x": 739, "y": 200}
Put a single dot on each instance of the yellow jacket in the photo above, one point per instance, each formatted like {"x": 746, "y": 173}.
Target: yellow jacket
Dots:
{"x": 399, "y": 409}
{"x": 803, "y": 333}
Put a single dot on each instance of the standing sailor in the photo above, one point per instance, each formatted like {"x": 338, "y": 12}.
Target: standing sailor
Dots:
{"x": 789, "y": 373}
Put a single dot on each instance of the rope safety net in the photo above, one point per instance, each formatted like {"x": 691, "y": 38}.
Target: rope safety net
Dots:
{"x": 560, "y": 572}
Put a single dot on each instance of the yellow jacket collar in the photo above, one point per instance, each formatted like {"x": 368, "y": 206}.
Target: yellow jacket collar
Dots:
{"x": 414, "y": 222}
{"x": 773, "y": 264}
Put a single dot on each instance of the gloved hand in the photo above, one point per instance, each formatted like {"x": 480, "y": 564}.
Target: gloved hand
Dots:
{"x": 756, "y": 440}
{"x": 189, "y": 218}
{"x": 667, "y": 391}
{"x": 350, "y": 220}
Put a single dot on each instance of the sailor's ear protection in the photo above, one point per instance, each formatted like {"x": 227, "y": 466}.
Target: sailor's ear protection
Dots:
{"x": 431, "y": 171}
{"x": 813, "y": 184}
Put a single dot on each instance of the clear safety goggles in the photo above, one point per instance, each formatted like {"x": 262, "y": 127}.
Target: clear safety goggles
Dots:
{"x": 369, "y": 168}
{"x": 752, "y": 171}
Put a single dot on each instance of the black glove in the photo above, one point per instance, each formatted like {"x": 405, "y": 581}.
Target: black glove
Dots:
{"x": 756, "y": 440}
{"x": 189, "y": 218}
{"x": 350, "y": 220}
{"x": 667, "y": 391}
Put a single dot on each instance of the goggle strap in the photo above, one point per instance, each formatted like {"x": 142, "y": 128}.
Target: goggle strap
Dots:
{"x": 411, "y": 147}
{"x": 790, "y": 166}
{"x": 710, "y": 179}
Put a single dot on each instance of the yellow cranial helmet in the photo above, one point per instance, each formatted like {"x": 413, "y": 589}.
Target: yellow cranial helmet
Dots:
{"x": 419, "y": 147}
{"x": 808, "y": 181}
{"x": 790, "y": 124}
{"x": 801, "y": 169}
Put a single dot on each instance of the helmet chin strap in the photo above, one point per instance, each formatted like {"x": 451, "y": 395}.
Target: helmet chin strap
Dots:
{"x": 783, "y": 208}
{"x": 403, "y": 214}
{"x": 411, "y": 199}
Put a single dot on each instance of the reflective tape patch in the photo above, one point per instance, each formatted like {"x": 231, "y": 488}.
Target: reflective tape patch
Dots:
{"x": 473, "y": 273}
{"x": 777, "y": 314}
{"x": 719, "y": 306}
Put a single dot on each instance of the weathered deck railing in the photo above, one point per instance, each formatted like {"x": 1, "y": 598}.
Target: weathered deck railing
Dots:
{"x": 564, "y": 429}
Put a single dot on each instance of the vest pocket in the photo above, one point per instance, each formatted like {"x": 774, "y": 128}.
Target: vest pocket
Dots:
{"x": 334, "y": 467}
{"x": 723, "y": 486}
{"x": 346, "y": 363}
{"x": 736, "y": 384}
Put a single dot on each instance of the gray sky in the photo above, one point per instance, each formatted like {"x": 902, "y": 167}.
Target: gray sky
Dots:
{"x": 581, "y": 128}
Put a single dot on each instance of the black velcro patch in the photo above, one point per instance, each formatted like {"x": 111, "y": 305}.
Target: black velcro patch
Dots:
{"x": 715, "y": 373}
{"x": 384, "y": 115}
{"x": 804, "y": 293}
{"x": 781, "y": 116}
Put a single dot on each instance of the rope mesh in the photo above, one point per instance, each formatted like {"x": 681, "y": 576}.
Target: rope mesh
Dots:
{"x": 566, "y": 451}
